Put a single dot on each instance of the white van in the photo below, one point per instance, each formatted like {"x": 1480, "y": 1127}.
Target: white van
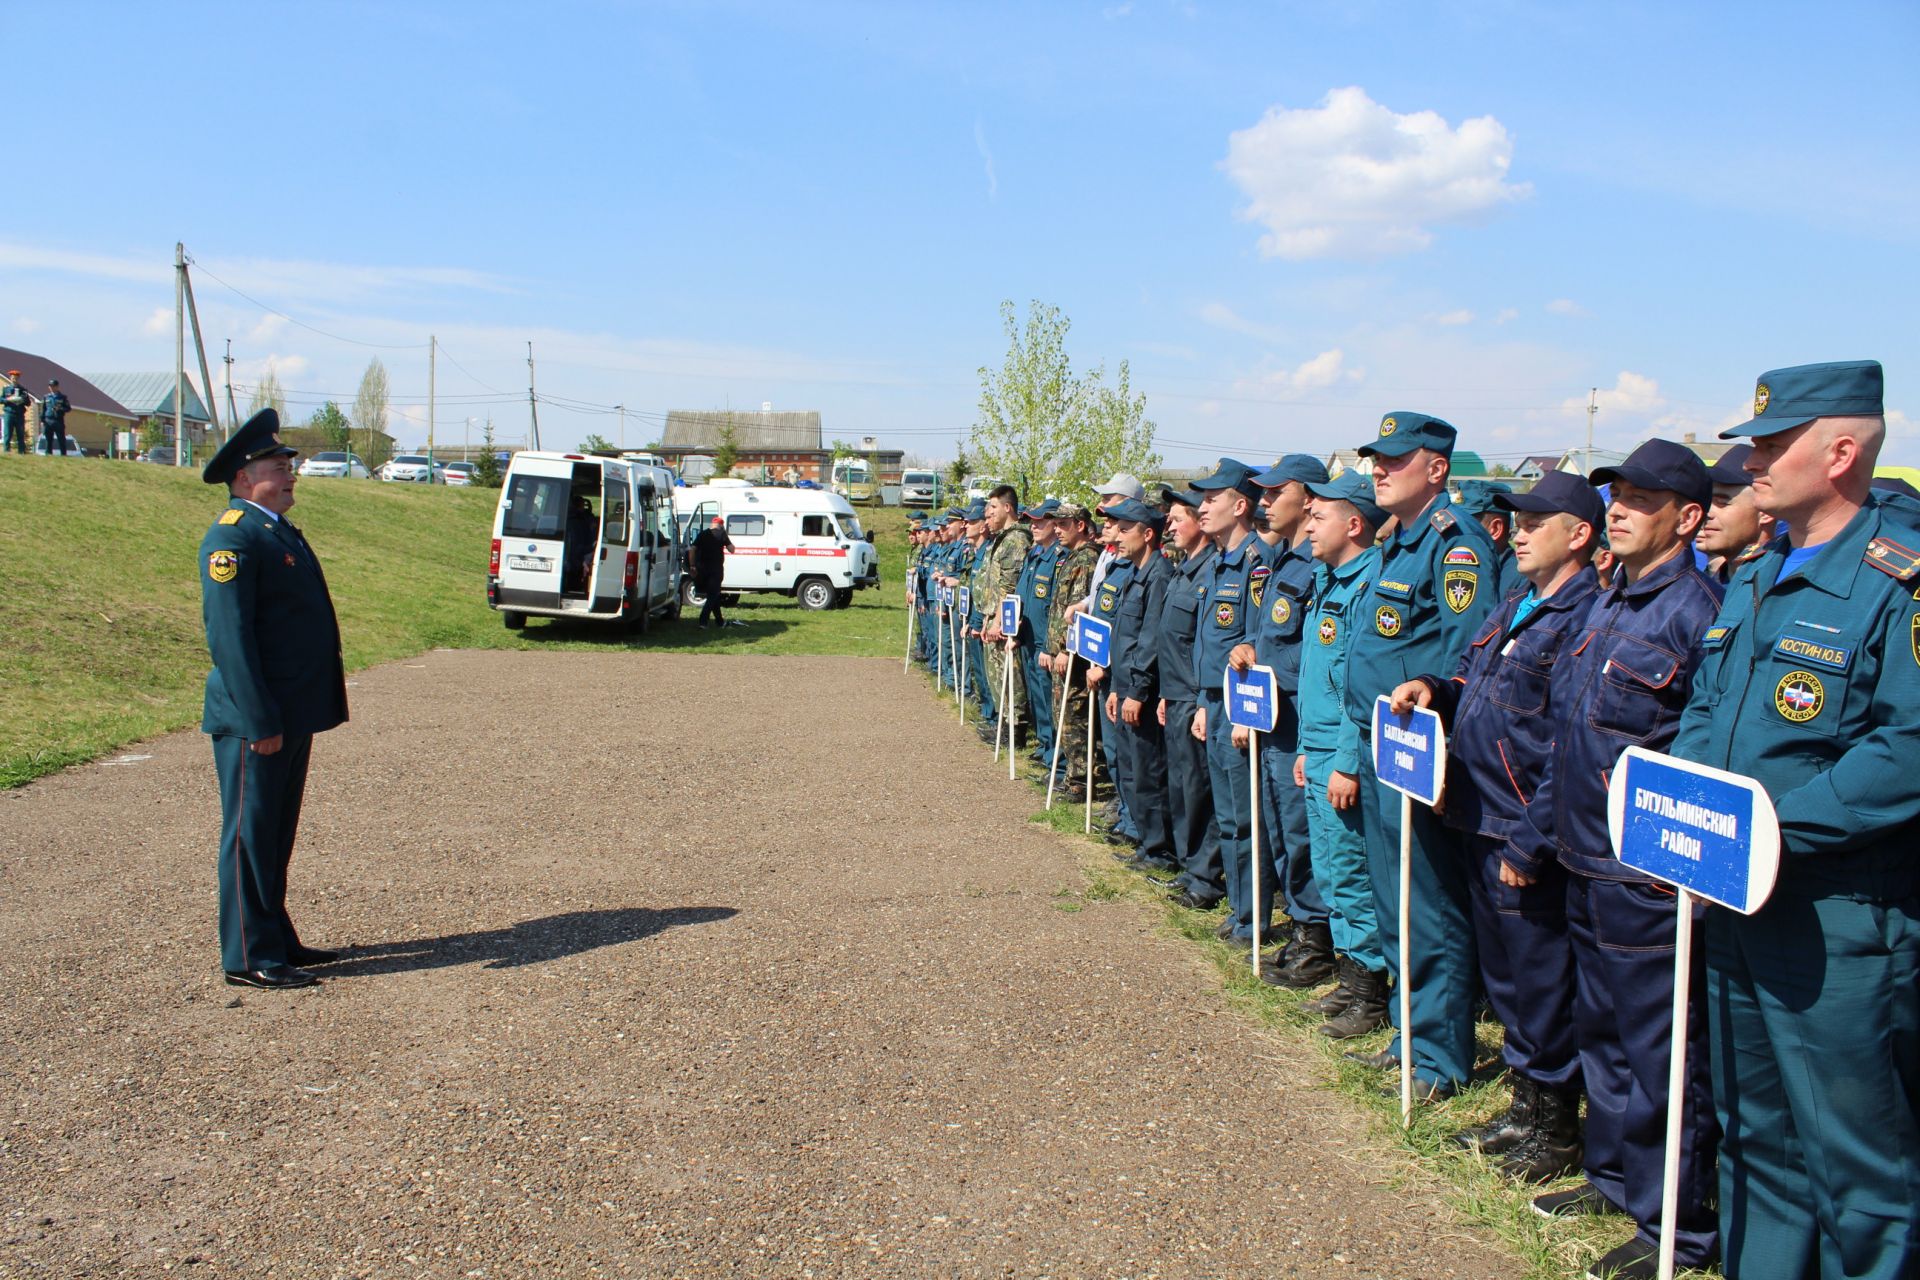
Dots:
{"x": 805, "y": 543}
{"x": 581, "y": 536}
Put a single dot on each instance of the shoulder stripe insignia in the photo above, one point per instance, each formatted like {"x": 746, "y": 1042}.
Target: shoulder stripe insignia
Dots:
{"x": 231, "y": 516}
{"x": 1442, "y": 520}
{"x": 1461, "y": 555}
{"x": 1891, "y": 558}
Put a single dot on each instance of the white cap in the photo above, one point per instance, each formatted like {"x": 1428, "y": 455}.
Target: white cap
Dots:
{"x": 1127, "y": 486}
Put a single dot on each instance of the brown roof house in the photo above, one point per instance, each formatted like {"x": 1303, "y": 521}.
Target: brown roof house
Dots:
{"x": 95, "y": 416}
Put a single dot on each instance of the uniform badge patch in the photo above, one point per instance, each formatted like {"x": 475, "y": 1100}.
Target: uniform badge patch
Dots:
{"x": 1257, "y": 583}
{"x": 223, "y": 566}
{"x": 232, "y": 516}
{"x": 1386, "y": 620}
{"x": 1223, "y": 613}
{"x": 1282, "y": 610}
{"x": 1330, "y": 630}
{"x": 1461, "y": 555}
{"x": 1762, "y": 393}
{"x": 1387, "y": 427}
{"x": 1916, "y": 639}
{"x": 1716, "y": 634}
{"x": 1799, "y": 696}
{"x": 1459, "y": 588}
{"x": 1040, "y": 589}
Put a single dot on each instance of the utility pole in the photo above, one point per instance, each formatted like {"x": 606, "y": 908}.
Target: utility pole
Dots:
{"x": 1593, "y": 407}
{"x": 433, "y": 348}
{"x": 533, "y": 404}
{"x": 200, "y": 352}
{"x": 179, "y": 352}
{"x": 623, "y": 426}
{"x": 233, "y": 419}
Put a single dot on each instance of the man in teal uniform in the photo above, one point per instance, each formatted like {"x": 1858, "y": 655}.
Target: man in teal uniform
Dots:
{"x": 1480, "y": 499}
{"x": 1438, "y": 580}
{"x": 54, "y": 407}
{"x": 13, "y": 411}
{"x": 277, "y": 680}
{"x": 1340, "y": 529}
{"x": 1810, "y": 682}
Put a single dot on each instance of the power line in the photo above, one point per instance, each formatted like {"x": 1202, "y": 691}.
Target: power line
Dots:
{"x": 384, "y": 346}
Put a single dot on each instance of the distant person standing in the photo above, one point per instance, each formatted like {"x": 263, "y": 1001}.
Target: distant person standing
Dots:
{"x": 277, "y": 680}
{"x": 53, "y": 417}
{"x": 710, "y": 547}
{"x": 13, "y": 412}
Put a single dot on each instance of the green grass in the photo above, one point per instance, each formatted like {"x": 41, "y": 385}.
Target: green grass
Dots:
{"x": 100, "y": 634}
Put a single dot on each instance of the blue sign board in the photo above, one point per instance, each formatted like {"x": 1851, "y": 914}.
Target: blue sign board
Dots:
{"x": 946, "y": 594}
{"x": 966, "y": 601}
{"x": 1010, "y": 616}
{"x": 1409, "y": 751}
{"x": 1093, "y": 639}
{"x": 1711, "y": 832}
{"x": 1253, "y": 698}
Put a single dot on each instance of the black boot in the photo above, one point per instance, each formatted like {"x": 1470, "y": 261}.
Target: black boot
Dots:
{"x": 1367, "y": 1011}
{"x": 1552, "y": 1147}
{"x": 1310, "y": 958}
{"x": 1509, "y": 1129}
{"x": 1336, "y": 1000}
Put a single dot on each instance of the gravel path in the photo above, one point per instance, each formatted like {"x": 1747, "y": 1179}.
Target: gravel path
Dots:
{"x": 646, "y": 980}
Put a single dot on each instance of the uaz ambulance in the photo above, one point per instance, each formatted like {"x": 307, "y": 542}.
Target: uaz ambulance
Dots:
{"x": 805, "y": 543}
{"x": 583, "y": 536}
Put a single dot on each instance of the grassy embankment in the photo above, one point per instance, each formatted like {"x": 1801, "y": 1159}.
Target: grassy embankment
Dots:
{"x": 100, "y": 634}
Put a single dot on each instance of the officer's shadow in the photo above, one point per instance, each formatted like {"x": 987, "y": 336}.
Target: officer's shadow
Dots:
{"x": 526, "y": 942}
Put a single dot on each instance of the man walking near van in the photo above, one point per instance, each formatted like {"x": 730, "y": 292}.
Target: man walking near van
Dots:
{"x": 710, "y": 547}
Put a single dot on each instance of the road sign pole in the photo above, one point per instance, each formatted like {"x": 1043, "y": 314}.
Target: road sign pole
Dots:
{"x": 1059, "y": 730}
{"x": 1676, "y": 1078}
{"x": 1253, "y": 862}
{"x": 1406, "y": 964}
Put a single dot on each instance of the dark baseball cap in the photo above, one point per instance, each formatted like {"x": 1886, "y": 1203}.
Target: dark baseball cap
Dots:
{"x": 1185, "y": 497}
{"x": 1303, "y": 467}
{"x": 1041, "y": 510}
{"x": 1403, "y": 431}
{"x": 1730, "y": 469}
{"x": 1138, "y": 512}
{"x": 1662, "y": 464}
{"x": 1558, "y": 491}
{"x": 1792, "y": 397}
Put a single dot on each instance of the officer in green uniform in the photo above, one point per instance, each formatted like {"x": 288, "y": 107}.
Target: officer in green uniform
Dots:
{"x": 1810, "y": 683}
{"x": 1007, "y": 544}
{"x": 1437, "y": 582}
{"x": 277, "y": 680}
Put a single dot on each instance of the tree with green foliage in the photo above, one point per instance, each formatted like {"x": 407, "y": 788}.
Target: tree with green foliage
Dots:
{"x": 960, "y": 468}
{"x": 486, "y": 469}
{"x": 333, "y": 426}
{"x": 268, "y": 395}
{"x": 727, "y": 452}
{"x": 153, "y": 434}
{"x": 370, "y": 413}
{"x": 1043, "y": 430}
{"x": 597, "y": 443}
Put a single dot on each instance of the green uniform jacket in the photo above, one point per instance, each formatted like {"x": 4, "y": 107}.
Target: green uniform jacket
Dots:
{"x": 271, "y": 630}
{"x": 1812, "y": 686}
{"x": 1071, "y": 581}
{"x": 1006, "y": 554}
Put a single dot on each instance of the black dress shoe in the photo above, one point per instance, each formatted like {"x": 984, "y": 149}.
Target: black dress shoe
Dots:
{"x": 1385, "y": 1060}
{"x": 276, "y": 977}
{"x": 1184, "y": 898}
{"x": 307, "y": 957}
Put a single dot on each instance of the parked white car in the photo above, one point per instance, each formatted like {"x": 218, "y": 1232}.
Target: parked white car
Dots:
{"x": 413, "y": 468}
{"x": 459, "y": 472}
{"x": 335, "y": 465}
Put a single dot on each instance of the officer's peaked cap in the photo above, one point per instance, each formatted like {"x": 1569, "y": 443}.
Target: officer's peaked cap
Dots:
{"x": 258, "y": 437}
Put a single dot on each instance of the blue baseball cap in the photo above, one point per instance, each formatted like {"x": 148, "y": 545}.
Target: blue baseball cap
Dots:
{"x": 1230, "y": 474}
{"x": 1136, "y": 511}
{"x": 1185, "y": 497}
{"x": 1403, "y": 431}
{"x": 1792, "y": 397}
{"x": 1662, "y": 464}
{"x": 1476, "y": 496}
{"x": 1731, "y": 469}
{"x": 1303, "y": 467}
{"x": 976, "y": 511}
{"x": 1559, "y": 491}
{"x": 1353, "y": 488}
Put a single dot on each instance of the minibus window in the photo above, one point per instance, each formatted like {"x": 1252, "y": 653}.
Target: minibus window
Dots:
{"x": 536, "y": 507}
{"x": 816, "y": 527}
{"x": 747, "y": 526}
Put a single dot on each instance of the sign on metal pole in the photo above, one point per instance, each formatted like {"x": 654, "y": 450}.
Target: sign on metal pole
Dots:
{"x": 966, "y": 602}
{"x": 1010, "y": 616}
{"x": 1711, "y": 834}
{"x": 1252, "y": 701}
{"x": 1409, "y": 755}
{"x": 1092, "y": 639}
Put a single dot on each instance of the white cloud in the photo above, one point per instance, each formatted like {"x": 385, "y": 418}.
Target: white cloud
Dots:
{"x": 1507, "y": 314}
{"x": 1898, "y": 425}
{"x": 1351, "y": 178}
{"x": 986, "y": 156}
{"x": 1631, "y": 393}
{"x": 1450, "y": 318}
{"x": 1327, "y": 369}
{"x": 1566, "y": 307}
{"x": 159, "y": 321}
{"x": 1222, "y": 316}
{"x": 26, "y": 325}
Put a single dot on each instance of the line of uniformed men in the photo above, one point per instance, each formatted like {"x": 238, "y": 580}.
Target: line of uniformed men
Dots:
{"x": 1762, "y": 615}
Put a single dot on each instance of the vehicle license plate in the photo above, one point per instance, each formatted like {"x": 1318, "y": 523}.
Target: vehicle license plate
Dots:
{"x": 539, "y": 564}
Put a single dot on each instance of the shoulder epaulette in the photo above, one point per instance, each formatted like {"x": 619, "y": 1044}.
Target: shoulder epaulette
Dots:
{"x": 1443, "y": 520}
{"x": 1889, "y": 557}
{"x": 231, "y": 516}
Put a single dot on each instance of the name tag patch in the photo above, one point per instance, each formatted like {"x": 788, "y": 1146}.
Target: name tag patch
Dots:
{"x": 1398, "y": 590}
{"x": 1835, "y": 656}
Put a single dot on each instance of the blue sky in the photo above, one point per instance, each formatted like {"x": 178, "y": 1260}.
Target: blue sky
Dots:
{"x": 1288, "y": 218}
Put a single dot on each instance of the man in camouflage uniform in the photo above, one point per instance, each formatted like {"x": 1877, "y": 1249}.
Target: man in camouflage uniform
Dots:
{"x": 1007, "y": 544}
{"x": 1071, "y": 581}
{"x": 974, "y": 575}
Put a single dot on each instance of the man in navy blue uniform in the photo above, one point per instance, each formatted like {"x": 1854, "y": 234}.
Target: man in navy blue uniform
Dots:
{"x": 1626, "y": 683}
{"x": 1240, "y": 561}
{"x": 54, "y": 407}
{"x": 277, "y": 680}
{"x": 1500, "y": 731}
{"x": 1438, "y": 579}
{"x": 1133, "y": 680}
{"x": 13, "y": 412}
{"x": 1281, "y": 603}
{"x": 1811, "y": 684}
{"x": 1196, "y": 839}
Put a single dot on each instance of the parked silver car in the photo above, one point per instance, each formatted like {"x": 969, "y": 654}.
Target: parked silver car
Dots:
{"x": 335, "y": 465}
